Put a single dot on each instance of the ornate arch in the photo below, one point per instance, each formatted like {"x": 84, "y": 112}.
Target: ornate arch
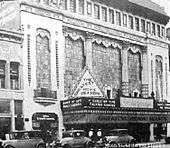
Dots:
{"x": 43, "y": 59}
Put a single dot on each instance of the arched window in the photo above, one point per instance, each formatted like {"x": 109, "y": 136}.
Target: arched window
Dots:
{"x": 43, "y": 67}
{"x": 159, "y": 77}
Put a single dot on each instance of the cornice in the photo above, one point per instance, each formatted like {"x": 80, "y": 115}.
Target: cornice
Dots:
{"x": 11, "y": 36}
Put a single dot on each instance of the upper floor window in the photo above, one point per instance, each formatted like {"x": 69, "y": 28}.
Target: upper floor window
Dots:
{"x": 46, "y": 2}
{"x": 104, "y": 14}
{"x": 18, "y": 107}
{"x": 64, "y": 4}
{"x": 124, "y": 20}
{"x": 89, "y": 8}
{"x": 81, "y": 6}
{"x": 73, "y": 6}
{"x": 148, "y": 27}
{"x": 118, "y": 18}
{"x": 143, "y": 25}
{"x": 96, "y": 12}
{"x": 130, "y": 22}
{"x": 14, "y": 75}
{"x": 158, "y": 31}
{"x": 153, "y": 29}
{"x": 2, "y": 74}
{"x": 137, "y": 24}
{"x": 111, "y": 16}
{"x": 163, "y": 32}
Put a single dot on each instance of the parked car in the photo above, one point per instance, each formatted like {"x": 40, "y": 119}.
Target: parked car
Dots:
{"x": 74, "y": 139}
{"x": 23, "y": 139}
{"x": 117, "y": 138}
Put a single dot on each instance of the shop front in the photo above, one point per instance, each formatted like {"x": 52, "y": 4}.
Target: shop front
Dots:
{"x": 45, "y": 121}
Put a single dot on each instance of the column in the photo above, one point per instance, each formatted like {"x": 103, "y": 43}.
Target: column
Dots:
{"x": 12, "y": 115}
{"x": 88, "y": 49}
{"x": 151, "y": 132}
{"x": 7, "y": 75}
{"x": 168, "y": 129}
{"x": 20, "y": 76}
{"x": 144, "y": 67}
{"x": 124, "y": 61}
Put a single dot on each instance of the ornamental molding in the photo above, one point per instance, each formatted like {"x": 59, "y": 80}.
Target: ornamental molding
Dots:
{"x": 10, "y": 36}
{"x": 106, "y": 42}
{"x": 43, "y": 33}
{"x": 73, "y": 34}
{"x": 134, "y": 49}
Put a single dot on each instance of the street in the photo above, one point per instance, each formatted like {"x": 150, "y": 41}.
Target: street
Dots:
{"x": 159, "y": 146}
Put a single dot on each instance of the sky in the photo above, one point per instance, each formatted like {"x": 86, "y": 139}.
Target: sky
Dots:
{"x": 165, "y": 4}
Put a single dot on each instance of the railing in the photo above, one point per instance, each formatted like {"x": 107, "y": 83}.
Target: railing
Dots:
{"x": 45, "y": 93}
{"x": 87, "y": 102}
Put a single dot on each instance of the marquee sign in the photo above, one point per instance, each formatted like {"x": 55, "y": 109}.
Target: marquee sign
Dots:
{"x": 87, "y": 87}
{"x": 136, "y": 102}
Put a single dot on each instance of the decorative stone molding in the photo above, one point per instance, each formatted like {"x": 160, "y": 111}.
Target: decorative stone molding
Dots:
{"x": 11, "y": 36}
{"x": 74, "y": 34}
{"x": 43, "y": 33}
{"x": 106, "y": 42}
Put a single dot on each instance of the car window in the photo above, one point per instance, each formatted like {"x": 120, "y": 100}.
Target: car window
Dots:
{"x": 79, "y": 134}
{"x": 34, "y": 134}
{"x": 65, "y": 135}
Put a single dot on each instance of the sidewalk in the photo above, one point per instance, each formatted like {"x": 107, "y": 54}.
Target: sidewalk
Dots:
{"x": 150, "y": 144}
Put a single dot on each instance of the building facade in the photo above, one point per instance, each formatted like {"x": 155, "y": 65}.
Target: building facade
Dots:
{"x": 11, "y": 81}
{"x": 105, "y": 61}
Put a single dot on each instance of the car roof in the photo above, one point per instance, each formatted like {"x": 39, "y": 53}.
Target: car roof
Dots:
{"x": 73, "y": 131}
{"x": 23, "y": 131}
{"x": 119, "y": 130}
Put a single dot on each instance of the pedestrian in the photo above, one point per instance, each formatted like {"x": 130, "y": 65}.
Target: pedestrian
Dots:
{"x": 91, "y": 134}
{"x": 99, "y": 134}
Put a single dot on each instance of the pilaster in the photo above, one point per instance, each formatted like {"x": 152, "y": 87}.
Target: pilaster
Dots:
{"x": 124, "y": 62}
{"x": 88, "y": 49}
{"x": 7, "y": 77}
{"x": 144, "y": 73}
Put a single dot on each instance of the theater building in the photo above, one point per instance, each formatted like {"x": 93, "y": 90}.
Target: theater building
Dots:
{"x": 94, "y": 64}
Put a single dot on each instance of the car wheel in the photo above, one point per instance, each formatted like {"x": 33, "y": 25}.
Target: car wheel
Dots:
{"x": 89, "y": 145}
{"x": 113, "y": 145}
{"x": 132, "y": 144}
{"x": 41, "y": 146}
{"x": 67, "y": 146}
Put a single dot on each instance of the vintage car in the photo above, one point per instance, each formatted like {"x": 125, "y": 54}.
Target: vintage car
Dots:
{"x": 117, "y": 138}
{"x": 23, "y": 139}
{"x": 74, "y": 139}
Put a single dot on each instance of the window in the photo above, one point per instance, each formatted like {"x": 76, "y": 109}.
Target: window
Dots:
{"x": 163, "y": 32}
{"x": 143, "y": 25}
{"x": 111, "y": 16}
{"x": 118, "y": 18}
{"x": 46, "y": 2}
{"x": 73, "y": 6}
{"x": 148, "y": 28}
{"x": 96, "y": 12}
{"x": 4, "y": 106}
{"x": 130, "y": 22}
{"x": 64, "y": 4}
{"x": 158, "y": 31}
{"x": 104, "y": 14}
{"x": 124, "y": 20}
{"x": 18, "y": 107}
{"x": 81, "y": 6}
{"x": 14, "y": 75}
{"x": 2, "y": 74}
{"x": 89, "y": 8}
{"x": 153, "y": 29}
{"x": 137, "y": 24}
